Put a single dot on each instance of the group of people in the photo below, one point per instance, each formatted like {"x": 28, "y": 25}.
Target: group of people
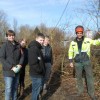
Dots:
{"x": 14, "y": 57}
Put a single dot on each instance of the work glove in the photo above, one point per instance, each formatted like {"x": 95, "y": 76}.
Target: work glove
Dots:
{"x": 16, "y": 68}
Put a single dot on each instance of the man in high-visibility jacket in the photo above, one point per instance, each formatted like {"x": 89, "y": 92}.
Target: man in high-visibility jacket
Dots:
{"x": 79, "y": 52}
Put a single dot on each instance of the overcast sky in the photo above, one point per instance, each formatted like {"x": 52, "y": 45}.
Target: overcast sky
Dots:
{"x": 35, "y": 12}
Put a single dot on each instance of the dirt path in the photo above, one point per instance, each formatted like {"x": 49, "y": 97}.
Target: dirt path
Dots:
{"x": 60, "y": 88}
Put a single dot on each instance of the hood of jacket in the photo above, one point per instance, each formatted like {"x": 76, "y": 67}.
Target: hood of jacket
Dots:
{"x": 35, "y": 43}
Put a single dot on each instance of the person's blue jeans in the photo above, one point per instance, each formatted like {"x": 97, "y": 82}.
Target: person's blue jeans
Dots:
{"x": 48, "y": 67}
{"x": 37, "y": 84}
{"x": 11, "y": 85}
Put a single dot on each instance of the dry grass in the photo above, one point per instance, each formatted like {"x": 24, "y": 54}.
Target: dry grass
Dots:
{"x": 61, "y": 87}
{"x": 1, "y": 84}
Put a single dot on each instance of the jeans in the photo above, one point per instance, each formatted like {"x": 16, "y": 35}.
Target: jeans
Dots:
{"x": 37, "y": 84}
{"x": 48, "y": 72}
{"x": 86, "y": 66}
{"x": 11, "y": 85}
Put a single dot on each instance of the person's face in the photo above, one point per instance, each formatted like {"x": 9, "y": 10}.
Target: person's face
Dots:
{"x": 40, "y": 40}
{"x": 79, "y": 34}
{"x": 23, "y": 43}
{"x": 11, "y": 38}
{"x": 46, "y": 41}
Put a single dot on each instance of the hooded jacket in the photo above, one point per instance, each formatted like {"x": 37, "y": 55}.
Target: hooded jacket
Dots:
{"x": 35, "y": 59}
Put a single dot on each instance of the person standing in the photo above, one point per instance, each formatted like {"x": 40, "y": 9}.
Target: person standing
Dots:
{"x": 37, "y": 66}
{"x": 79, "y": 52}
{"x": 12, "y": 60}
{"x": 23, "y": 44}
{"x": 48, "y": 59}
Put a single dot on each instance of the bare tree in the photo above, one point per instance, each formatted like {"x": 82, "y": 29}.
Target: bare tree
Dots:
{"x": 93, "y": 9}
{"x": 3, "y": 24}
{"x": 15, "y": 25}
{"x": 36, "y": 30}
{"x": 25, "y": 31}
{"x": 43, "y": 28}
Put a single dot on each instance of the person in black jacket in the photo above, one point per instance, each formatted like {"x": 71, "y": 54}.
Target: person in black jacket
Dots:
{"x": 23, "y": 43}
{"x": 36, "y": 63}
{"x": 48, "y": 59}
{"x": 12, "y": 60}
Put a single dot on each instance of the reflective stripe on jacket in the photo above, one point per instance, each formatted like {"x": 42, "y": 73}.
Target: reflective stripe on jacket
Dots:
{"x": 86, "y": 44}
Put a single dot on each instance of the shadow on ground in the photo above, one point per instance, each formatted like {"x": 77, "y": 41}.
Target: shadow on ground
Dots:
{"x": 54, "y": 84}
{"x": 27, "y": 92}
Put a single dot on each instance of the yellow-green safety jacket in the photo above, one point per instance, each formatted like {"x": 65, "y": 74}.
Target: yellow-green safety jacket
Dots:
{"x": 84, "y": 54}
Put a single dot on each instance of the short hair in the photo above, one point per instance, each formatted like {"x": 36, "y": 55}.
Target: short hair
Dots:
{"x": 23, "y": 39}
{"x": 40, "y": 35}
{"x": 47, "y": 36}
{"x": 10, "y": 32}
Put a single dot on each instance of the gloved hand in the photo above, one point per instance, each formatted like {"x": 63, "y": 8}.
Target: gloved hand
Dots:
{"x": 16, "y": 68}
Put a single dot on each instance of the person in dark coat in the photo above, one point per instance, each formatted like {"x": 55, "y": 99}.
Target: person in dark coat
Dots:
{"x": 48, "y": 59}
{"x": 23, "y": 43}
{"x": 12, "y": 60}
{"x": 36, "y": 65}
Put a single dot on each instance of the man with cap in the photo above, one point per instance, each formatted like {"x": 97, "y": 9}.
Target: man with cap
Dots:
{"x": 79, "y": 53}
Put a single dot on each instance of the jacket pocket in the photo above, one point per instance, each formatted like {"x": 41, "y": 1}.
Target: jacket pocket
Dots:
{"x": 81, "y": 57}
{"x": 77, "y": 58}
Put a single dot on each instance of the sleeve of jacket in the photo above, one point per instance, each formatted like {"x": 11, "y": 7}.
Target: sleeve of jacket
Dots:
{"x": 32, "y": 56}
{"x": 70, "y": 53}
{"x": 34, "y": 60}
{"x": 21, "y": 58}
{"x": 95, "y": 42}
{"x": 3, "y": 57}
{"x": 51, "y": 57}
{"x": 25, "y": 57}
